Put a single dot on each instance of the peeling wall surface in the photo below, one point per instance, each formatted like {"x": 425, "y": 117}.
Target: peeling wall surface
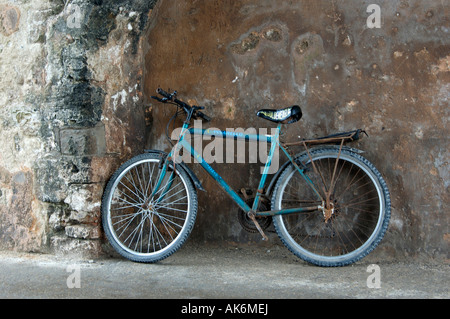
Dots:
{"x": 71, "y": 111}
{"x": 76, "y": 77}
{"x": 236, "y": 57}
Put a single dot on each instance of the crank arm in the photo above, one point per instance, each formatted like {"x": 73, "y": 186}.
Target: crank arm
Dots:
{"x": 251, "y": 214}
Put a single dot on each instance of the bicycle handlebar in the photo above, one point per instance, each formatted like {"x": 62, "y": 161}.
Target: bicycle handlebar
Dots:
{"x": 190, "y": 110}
{"x": 158, "y": 99}
{"x": 204, "y": 116}
{"x": 165, "y": 94}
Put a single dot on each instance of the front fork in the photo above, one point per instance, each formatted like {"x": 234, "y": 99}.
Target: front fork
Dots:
{"x": 164, "y": 168}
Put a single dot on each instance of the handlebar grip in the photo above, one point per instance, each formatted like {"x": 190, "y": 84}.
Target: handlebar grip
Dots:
{"x": 157, "y": 98}
{"x": 204, "y": 116}
{"x": 164, "y": 93}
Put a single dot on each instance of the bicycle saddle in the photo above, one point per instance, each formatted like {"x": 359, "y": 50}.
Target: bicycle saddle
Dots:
{"x": 285, "y": 116}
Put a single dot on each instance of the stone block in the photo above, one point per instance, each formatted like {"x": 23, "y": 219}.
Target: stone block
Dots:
{"x": 9, "y": 19}
{"x": 83, "y": 232}
{"x": 62, "y": 245}
{"x": 85, "y": 200}
{"x": 83, "y": 141}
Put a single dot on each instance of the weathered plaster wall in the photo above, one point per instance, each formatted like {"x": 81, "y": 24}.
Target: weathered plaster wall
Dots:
{"x": 236, "y": 57}
{"x": 71, "y": 111}
{"x": 75, "y": 75}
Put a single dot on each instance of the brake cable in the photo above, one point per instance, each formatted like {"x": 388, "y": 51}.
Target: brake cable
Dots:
{"x": 172, "y": 119}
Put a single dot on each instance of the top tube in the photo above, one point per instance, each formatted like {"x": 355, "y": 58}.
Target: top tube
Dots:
{"x": 235, "y": 135}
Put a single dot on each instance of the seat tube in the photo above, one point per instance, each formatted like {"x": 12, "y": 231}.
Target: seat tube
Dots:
{"x": 274, "y": 140}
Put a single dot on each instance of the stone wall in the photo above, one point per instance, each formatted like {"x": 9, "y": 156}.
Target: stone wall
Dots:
{"x": 75, "y": 77}
{"x": 71, "y": 111}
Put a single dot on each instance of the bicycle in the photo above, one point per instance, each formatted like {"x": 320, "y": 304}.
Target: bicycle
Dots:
{"x": 329, "y": 205}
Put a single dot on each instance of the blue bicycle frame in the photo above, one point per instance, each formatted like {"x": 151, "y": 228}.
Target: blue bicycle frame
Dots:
{"x": 274, "y": 142}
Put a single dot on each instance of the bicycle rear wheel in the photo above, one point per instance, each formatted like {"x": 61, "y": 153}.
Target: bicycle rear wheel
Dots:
{"x": 347, "y": 227}
{"x": 145, "y": 228}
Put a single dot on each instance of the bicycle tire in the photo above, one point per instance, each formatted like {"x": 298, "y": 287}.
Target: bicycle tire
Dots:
{"x": 324, "y": 238}
{"x": 160, "y": 226}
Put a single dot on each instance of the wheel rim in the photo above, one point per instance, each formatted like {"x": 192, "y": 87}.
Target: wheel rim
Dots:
{"x": 144, "y": 226}
{"x": 349, "y": 225}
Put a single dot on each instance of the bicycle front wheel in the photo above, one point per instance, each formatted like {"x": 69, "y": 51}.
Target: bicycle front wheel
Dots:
{"x": 143, "y": 227}
{"x": 351, "y": 201}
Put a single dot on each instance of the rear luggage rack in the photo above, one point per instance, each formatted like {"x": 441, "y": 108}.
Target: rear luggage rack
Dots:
{"x": 335, "y": 138}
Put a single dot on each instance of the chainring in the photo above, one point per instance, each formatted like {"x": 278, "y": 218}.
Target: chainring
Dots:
{"x": 247, "y": 224}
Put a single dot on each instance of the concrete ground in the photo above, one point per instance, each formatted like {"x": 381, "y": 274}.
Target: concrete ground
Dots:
{"x": 200, "y": 272}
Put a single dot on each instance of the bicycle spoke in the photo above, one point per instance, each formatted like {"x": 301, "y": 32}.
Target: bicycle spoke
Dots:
{"x": 346, "y": 221}
{"x": 171, "y": 208}
{"x": 142, "y": 226}
{"x": 132, "y": 192}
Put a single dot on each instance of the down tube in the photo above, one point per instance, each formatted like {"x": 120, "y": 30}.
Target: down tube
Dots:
{"x": 187, "y": 146}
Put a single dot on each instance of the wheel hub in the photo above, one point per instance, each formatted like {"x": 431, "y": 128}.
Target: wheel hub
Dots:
{"x": 328, "y": 210}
